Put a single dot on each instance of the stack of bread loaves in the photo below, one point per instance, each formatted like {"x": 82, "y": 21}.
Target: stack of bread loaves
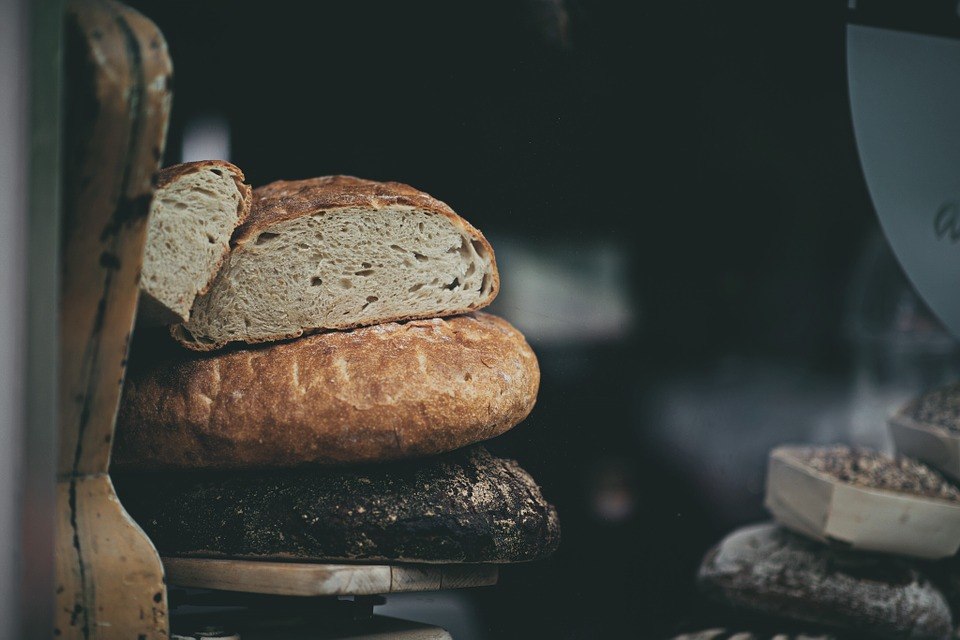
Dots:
{"x": 332, "y": 367}
{"x": 852, "y": 549}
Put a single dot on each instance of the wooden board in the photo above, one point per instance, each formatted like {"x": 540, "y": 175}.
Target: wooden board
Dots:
{"x": 825, "y": 508}
{"x": 934, "y": 445}
{"x": 312, "y": 579}
{"x": 109, "y": 580}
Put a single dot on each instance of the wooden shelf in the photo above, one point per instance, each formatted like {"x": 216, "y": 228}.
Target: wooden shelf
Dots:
{"x": 314, "y": 579}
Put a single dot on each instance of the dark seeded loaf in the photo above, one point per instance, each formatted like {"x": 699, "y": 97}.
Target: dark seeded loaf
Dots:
{"x": 463, "y": 507}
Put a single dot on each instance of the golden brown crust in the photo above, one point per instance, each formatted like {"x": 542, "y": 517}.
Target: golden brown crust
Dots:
{"x": 384, "y": 392}
{"x": 170, "y": 174}
{"x": 289, "y": 199}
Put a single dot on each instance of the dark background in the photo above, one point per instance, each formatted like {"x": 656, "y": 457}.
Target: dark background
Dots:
{"x": 694, "y": 162}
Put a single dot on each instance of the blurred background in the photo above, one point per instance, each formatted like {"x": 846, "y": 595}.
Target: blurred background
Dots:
{"x": 683, "y": 231}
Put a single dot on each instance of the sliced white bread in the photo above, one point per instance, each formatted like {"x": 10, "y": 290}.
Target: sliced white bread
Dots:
{"x": 195, "y": 209}
{"x": 339, "y": 252}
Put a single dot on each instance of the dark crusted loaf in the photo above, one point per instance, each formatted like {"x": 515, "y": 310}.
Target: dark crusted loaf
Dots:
{"x": 463, "y": 507}
{"x": 767, "y": 569}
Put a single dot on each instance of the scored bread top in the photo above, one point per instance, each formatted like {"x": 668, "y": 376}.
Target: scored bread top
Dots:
{"x": 376, "y": 393}
{"x": 288, "y": 199}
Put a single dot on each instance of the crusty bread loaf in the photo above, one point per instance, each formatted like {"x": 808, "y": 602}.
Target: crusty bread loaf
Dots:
{"x": 466, "y": 506}
{"x": 339, "y": 252}
{"x": 770, "y": 570}
{"x": 373, "y": 393}
{"x": 195, "y": 209}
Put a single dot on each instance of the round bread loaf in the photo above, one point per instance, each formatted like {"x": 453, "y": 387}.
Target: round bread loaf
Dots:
{"x": 767, "y": 569}
{"x": 462, "y": 507}
{"x": 376, "y": 393}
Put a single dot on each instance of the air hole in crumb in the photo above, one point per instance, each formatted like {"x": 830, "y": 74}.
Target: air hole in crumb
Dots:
{"x": 453, "y": 285}
{"x": 365, "y": 272}
{"x": 346, "y": 284}
{"x": 415, "y": 288}
{"x": 420, "y": 227}
{"x": 266, "y": 236}
{"x": 479, "y": 248}
{"x": 484, "y": 283}
{"x": 315, "y": 281}
{"x": 372, "y": 298}
{"x": 463, "y": 248}
{"x": 211, "y": 239}
{"x": 420, "y": 257}
{"x": 467, "y": 377}
{"x": 217, "y": 171}
{"x": 470, "y": 270}
{"x": 365, "y": 265}
{"x": 397, "y": 247}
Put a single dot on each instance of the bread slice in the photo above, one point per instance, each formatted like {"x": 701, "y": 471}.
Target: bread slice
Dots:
{"x": 195, "y": 209}
{"x": 367, "y": 395}
{"x": 339, "y": 252}
{"x": 465, "y": 506}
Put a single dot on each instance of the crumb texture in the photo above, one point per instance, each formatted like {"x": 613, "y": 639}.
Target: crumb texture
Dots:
{"x": 389, "y": 391}
{"x": 464, "y": 507}
{"x": 876, "y": 470}
{"x": 769, "y": 570}
{"x": 194, "y": 212}
{"x": 337, "y": 253}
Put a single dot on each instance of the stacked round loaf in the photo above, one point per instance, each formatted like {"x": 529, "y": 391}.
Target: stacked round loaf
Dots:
{"x": 316, "y": 399}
